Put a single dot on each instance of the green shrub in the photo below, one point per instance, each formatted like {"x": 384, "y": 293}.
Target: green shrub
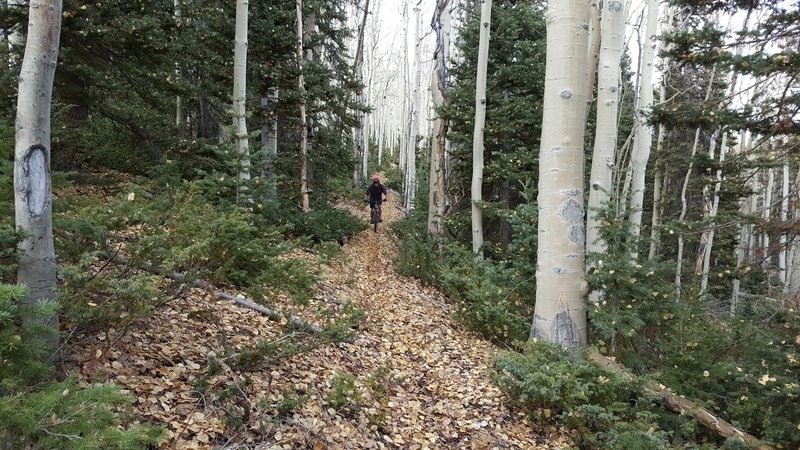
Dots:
{"x": 325, "y": 224}
{"x": 553, "y": 386}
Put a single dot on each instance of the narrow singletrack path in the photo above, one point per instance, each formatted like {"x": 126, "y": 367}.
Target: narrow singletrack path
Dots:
{"x": 412, "y": 379}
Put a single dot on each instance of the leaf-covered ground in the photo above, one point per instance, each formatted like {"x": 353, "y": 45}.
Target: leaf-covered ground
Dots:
{"x": 412, "y": 379}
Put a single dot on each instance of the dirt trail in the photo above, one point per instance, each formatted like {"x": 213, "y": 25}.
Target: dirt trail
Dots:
{"x": 443, "y": 396}
{"x": 412, "y": 379}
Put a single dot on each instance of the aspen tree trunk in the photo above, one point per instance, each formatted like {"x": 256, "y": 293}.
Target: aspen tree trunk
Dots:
{"x": 595, "y": 32}
{"x": 436, "y": 199}
{"x": 269, "y": 144}
{"x": 605, "y": 143}
{"x": 766, "y": 215}
{"x": 658, "y": 188}
{"x": 360, "y": 169}
{"x": 713, "y": 215}
{"x": 32, "y": 185}
{"x": 684, "y": 202}
{"x": 180, "y": 117}
{"x": 239, "y": 101}
{"x": 411, "y": 150}
{"x": 784, "y": 218}
{"x": 644, "y": 137}
{"x": 708, "y": 204}
{"x": 793, "y": 265}
{"x": 560, "y": 312}
{"x": 405, "y": 115}
{"x": 301, "y": 87}
{"x": 477, "y": 135}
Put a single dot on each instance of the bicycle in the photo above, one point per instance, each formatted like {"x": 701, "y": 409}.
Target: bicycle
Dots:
{"x": 375, "y": 214}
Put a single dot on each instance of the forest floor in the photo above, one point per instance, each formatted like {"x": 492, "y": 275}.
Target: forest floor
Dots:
{"x": 412, "y": 378}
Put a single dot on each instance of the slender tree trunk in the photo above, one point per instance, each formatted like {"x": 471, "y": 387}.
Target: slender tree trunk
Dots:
{"x": 595, "y": 32}
{"x": 269, "y": 144}
{"x": 684, "y": 188}
{"x": 784, "y": 218}
{"x": 436, "y": 198}
{"x": 301, "y": 87}
{"x": 32, "y": 186}
{"x": 240, "y": 100}
{"x": 793, "y": 281}
{"x": 477, "y": 135}
{"x": 360, "y": 169}
{"x": 411, "y": 150}
{"x": 708, "y": 204}
{"x": 605, "y": 143}
{"x": 713, "y": 215}
{"x": 767, "y": 215}
{"x": 658, "y": 207}
{"x": 180, "y": 115}
{"x": 560, "y": 311}
{"x": 644, "y": 137}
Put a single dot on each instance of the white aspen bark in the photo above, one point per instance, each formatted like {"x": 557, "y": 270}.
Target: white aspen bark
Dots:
{"x": 436, "y": 199}
{"x": 239, "y": 101}
{"x": 411, "y": 150}
{"x": 793, "y": 265}
{"x": 605, "y": 143}
{"x": 594, "y": 49}
{"x": 784, "y": 218}
{"x": 658, "y": 207}
{"x": 32, "y": 184}
{"x": 708, "y": 204}
{"x": 269, "y": 144}
{"x": 712, "y": 216}
{"x": 404, "y": 115}
{"x": 359, "y": 153}
{"x": 477, "y": 135}
{"x": 766, "y": 215}
{"x": 301, "y": 87}
{"x": 560, "y": 311}
{"x": 180, "y": 117}
{"x": 644, "y": 138}
{"x": 684, "y": 203}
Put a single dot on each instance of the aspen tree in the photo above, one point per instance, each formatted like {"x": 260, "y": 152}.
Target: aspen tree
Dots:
{"x": 477, "y": 135}
{"x": 784, "y": 218}
{"x": 436, "y": 200}
{"x": 644, "y": 135}
{"x": 239, "y": 100}
{"x": 180, "y": 117}
{"x": 560, "y": 311}
{"x": 684, "y": 188}
{"x": 269, "y": 143}
{"x": 359, "y": 152}
{"x": 608, "y": 76}
{"x": 32, "y": 184}
{"x": 301, "y": 87}
{"x": 411, "y": 145}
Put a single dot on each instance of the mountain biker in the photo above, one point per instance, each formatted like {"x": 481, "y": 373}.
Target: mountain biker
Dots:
{"x": 376, "y": 193}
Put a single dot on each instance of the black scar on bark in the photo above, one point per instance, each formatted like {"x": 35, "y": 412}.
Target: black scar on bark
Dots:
{"x": 35, "y": 168}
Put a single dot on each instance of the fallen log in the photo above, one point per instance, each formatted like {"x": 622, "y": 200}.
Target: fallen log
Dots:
{"x": 683, "y": 406}
{"x": 273, "y": 314}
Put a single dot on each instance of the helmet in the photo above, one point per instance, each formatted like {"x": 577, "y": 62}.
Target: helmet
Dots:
{"x": 376, "y": 180}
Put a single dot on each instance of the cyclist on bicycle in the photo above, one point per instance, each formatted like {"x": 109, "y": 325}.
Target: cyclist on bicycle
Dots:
{"x": 377, "y": 194}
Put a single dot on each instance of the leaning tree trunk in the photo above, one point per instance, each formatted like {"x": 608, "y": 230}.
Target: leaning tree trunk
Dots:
{"x": 477, "y": 135}
{"x": 605, "y": 143}
{"x": 644, "y": 138}
{"x": 239, "y": 101}
{"x": 32, "y": 189}
{"x": 560, "y": 312}
{"x": 436, "y": 197}
{"x": 301, "y": 88}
